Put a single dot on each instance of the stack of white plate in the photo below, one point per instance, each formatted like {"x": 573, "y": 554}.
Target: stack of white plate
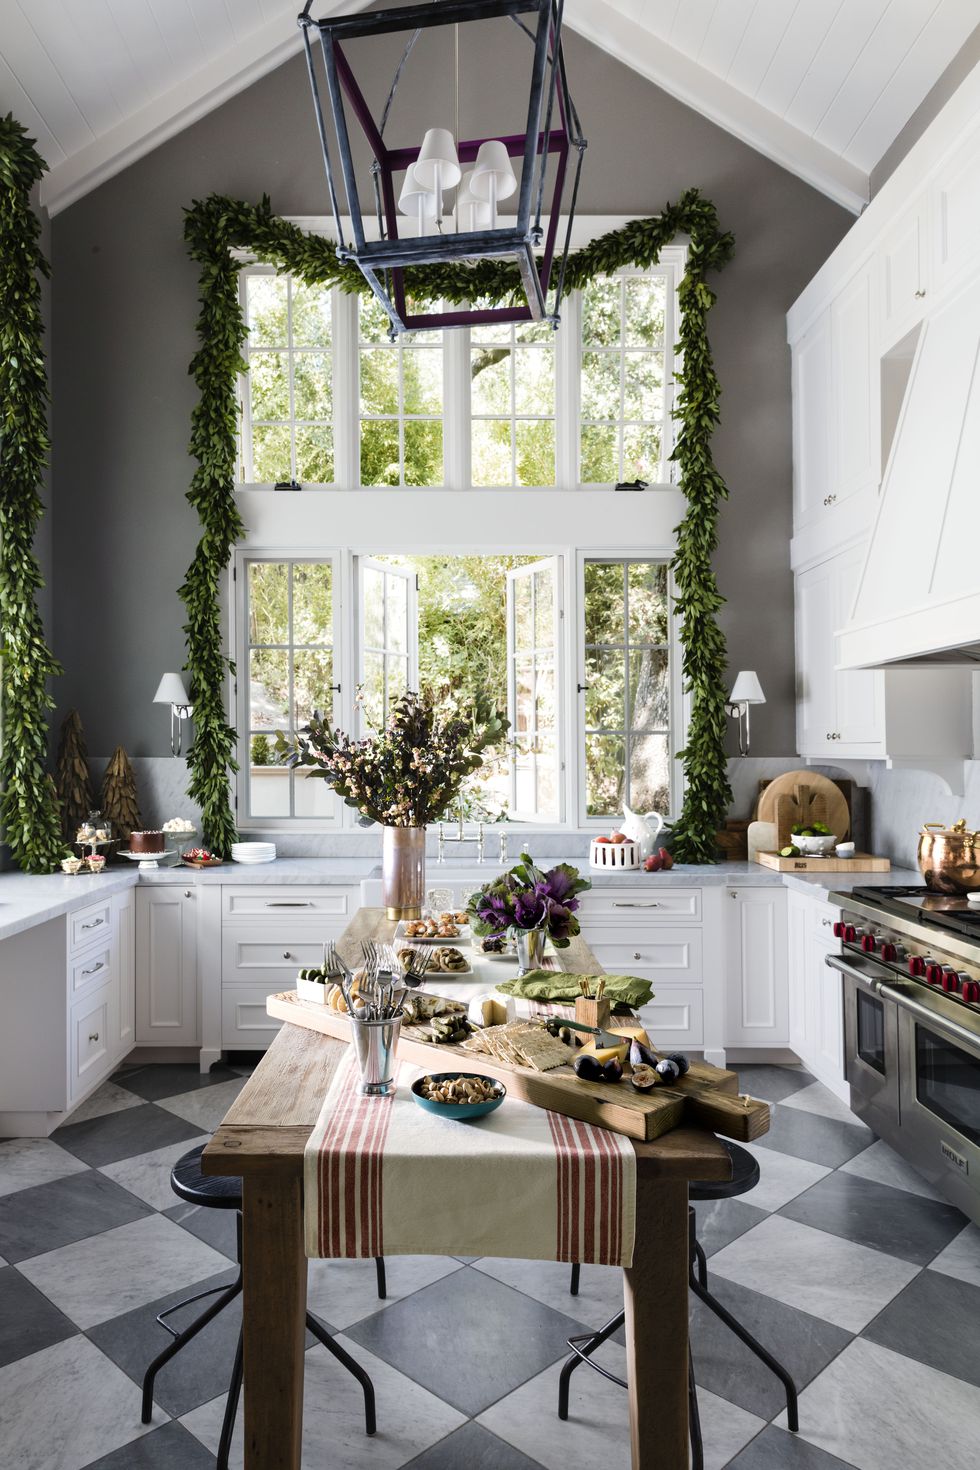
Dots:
{"x": 253, "y": 852}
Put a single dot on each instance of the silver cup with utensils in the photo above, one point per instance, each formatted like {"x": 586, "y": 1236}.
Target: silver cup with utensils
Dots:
{"x": 376, "y": 1042}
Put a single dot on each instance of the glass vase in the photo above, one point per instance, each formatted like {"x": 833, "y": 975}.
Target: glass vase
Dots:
{"x": 402, "y": 871}
{"x": 530, "y": 949}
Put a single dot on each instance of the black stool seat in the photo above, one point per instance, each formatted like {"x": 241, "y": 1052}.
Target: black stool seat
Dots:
{"x": 214, "y": 1191}
{"x": 745, "y": 1176}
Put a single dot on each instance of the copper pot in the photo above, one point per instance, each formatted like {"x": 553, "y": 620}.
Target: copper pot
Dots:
{"x": 949, "y": 857}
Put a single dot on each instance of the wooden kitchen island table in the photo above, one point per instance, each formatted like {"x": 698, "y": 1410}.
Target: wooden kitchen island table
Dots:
{"x": 262, "y": 1139}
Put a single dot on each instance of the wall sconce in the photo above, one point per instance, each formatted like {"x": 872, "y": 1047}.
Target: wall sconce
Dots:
{"x": 746, "y": 691}
{"x": 170, "y": 690}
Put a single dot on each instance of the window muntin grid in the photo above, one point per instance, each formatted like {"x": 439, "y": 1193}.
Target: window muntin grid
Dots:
{"x": 512, "y": 405}
{"x": 401, "y": 393}
{"x": 287, "y": 419}
{"x": 626, "y": 325}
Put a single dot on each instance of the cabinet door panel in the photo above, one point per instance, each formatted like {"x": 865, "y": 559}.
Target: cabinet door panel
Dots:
{"x": 816, "y": 694}
{"x": 124, "y": 916}
{"x": 902, "y": 275}
{"x": 855, "y": 387}
{"x": 166, "y": 949}
{"x": 859, "y": 693}
{"x": 813, "y": 457}
{"x": 757, "y": 1008}
{"x": 956, "y": 213}
{"x": 674, "y": 1018}
{"x": 91, "y": 1029}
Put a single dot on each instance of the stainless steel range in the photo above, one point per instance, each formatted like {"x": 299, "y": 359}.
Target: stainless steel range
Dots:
{"x": 910, "y": 961}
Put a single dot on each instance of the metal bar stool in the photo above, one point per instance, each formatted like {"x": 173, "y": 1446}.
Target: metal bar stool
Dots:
{"x": 217, "y": 1192}
{"x": 745, "y": 1176}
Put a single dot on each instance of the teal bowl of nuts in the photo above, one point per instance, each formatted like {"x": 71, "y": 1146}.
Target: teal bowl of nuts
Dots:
{"x": 462, "y": 1095}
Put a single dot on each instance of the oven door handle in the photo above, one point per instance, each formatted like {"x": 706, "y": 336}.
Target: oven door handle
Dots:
{"x": 927, "y": 1007}
{"x": 855, "y": 967}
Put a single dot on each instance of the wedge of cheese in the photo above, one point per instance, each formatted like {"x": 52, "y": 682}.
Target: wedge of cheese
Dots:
{"x": 632, "y": 1033}
{"x": 604, "y": 1054}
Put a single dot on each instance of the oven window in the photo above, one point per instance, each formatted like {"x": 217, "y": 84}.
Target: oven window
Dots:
{"x": 947, "y": 1082}
{"x": 871, "y": 1032}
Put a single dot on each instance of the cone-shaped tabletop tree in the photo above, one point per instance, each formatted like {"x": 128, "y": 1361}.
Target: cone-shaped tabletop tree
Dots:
{"x": 73, "y": 778}
{"x": 119, "y": 801}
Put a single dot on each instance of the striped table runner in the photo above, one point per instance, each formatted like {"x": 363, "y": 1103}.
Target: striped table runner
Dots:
{"x": 385, "y": 1177}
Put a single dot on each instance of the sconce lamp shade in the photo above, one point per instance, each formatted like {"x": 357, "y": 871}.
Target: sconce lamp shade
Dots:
{"x": 171, "y": 690}
{"x": 471, "y": 213}
{"x": 493, "y": 173}
{"x": 414, "y": 199}
{"x": 438, "y": 163}
{"x": 747, "y": 689}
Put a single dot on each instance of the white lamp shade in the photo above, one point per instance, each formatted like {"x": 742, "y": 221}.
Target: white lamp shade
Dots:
{"x": 413, "y": 194}
{"x": 493, "y": 168}
{"x": 747, "y": 689}
{"x": 438, "y": 161}
{"x": 171, "y": 690}
{"x": 470, "y": 213}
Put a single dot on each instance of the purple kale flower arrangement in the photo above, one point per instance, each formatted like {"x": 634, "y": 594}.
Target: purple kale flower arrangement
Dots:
{"x": 528, "y": 898}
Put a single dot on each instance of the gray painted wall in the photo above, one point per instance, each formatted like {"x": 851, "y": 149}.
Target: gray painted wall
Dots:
{"x": 125, "y": 307}
{"x": 929, "y": 108}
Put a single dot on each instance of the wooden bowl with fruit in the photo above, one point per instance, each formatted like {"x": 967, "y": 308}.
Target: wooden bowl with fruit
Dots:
{"x": 200, "y": 857}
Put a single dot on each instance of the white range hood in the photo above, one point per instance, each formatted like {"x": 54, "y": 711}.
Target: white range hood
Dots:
{"x": 918, "y": 599}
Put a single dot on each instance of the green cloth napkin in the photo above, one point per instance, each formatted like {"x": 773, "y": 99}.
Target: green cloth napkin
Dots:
{"x": 626, "y": 990}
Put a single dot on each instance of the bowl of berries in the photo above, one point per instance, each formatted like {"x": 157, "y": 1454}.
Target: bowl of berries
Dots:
{"x": 200, "y": 857}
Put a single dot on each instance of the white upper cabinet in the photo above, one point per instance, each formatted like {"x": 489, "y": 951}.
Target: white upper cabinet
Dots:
{"x": 903, "y": 274}
{"x": 839, "y": 712}
{"x": 813, "y": 459}
{"x": 956, "y": 217}
{"x": 855, "y": 386}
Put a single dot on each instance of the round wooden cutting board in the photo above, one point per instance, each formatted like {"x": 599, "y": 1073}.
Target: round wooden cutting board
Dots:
{"x": 838, "y": 817}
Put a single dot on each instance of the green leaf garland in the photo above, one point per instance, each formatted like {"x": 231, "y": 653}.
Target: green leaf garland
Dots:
{"x": 215, "y": 226}
{"x": 28, "y": 803}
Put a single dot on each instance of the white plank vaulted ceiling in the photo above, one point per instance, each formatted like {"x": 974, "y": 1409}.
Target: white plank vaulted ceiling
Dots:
{"x": 822, "y": 86}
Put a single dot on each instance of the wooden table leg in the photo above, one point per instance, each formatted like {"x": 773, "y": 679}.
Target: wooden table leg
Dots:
{"x": 274, "y": 1306}
{"x": 655, "y": 1290}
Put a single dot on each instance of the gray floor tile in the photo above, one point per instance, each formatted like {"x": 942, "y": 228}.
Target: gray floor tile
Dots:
{"x": 809, "y": 1136}
{"x": 121, "y": 1135}
{"x": 876, "y": 1215}
{"x": 881, "y": 1163}
{"x": 773, "y": 1083}
{"x": 206, "y": 1106}
{"x": 25, "y": 1162}
{"x": 802, "y": 1343}
{"x": 782, "y": 1178}
{"x": 935, "y": 1320}
{"x": 200, "y": 1371}
{"x": 819, "y": 1099}
{"x": 171, "y": 1447}
{"x": 600, "y": 1290}
{"x": 216, "y": 1228}
{"x": 154, "y": 1080}
{"x": 28, "y": 1321}
{"x": 109, "y": 1098}
{"x": 66, "y": 1406}
{"x": 877, "y": 1409}
{"x": 961, "y": 1258}
{"x": 33, "y": 1221}
{"x": 476, "y": 1449}
{"x": 721, "y": 1221}
{"x": 344, "y": 1292}
{"x": 777, "y": 1449}
{"x": 497, "y": 1338}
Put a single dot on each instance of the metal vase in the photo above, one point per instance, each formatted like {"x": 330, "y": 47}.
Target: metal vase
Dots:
{"x": 375, "y": 1043}
{"x": 403, "y": 871}
{"x": 530, "y": 950}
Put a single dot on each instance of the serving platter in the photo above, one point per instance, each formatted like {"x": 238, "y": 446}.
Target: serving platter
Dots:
{"x": 707, "y": 1095}
{"x": 402, "y": 937}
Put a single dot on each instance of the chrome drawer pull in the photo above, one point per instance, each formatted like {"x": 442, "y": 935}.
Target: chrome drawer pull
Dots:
{"x": 636, "y": 905}
{"x": 93, "y": 1036}
{"x": 637, "y": 955}
{"x": 284, "y": 903}
{"x": 94, "y": 924}
{"x": 95, "y": 969}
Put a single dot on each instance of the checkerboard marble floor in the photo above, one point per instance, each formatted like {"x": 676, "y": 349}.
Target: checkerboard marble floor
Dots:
{"x": 862, "y": 1280}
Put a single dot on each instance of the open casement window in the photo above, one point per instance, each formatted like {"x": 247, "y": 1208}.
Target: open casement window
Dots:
{"x": 387, "y": 637}
{"x": 626, "y": 687}
{"x": 533, "y": 697}
{"x": 289, "y": 669}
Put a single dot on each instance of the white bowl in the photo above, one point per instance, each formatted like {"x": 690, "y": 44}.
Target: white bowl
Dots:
{"x": 814, "y": 846}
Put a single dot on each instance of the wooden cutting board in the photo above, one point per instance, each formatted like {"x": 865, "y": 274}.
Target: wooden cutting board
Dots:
{"x": 707, "y": 1095}
{"x": 803, "y": 797}
{"x": 861, "y": 862}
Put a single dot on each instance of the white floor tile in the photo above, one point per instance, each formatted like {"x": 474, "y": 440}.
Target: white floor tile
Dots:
{"x": 596, "y": 1431}
{"x": 822, "y": 1274}
{"x": 820, "y": 1099}
{"x": 148, "y": 1175}
{"x": 600, "y": 1292}
{"x": 67, "y": 1406}
{"x": 106, "y": 1275}
{"x": 783, "y": 1177}
{"x": 342, "y": 1292}
{"x": 883, "y": 1165}
{"x": 109, "y": 1098}
{"x": 961, "y": 1258}
{"x": 25, "y": 1162}
{"x": 410, "y": 1419}
{"x": 876, "y": 1409}
{"x": 206, "y": 1106}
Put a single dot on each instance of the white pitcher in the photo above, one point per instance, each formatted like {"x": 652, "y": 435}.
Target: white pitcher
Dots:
{"x": 643, "y": 829}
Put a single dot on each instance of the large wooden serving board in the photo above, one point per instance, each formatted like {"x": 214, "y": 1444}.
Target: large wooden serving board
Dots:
{"x": 707, "y": 1095}
{"x": 861, "y": 862}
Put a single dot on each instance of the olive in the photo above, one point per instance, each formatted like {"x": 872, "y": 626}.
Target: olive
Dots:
{"x": 613, "y": 1070}
{"x": 644, "y": 1078}
{"x": 565, "y": 1035}
{"x": 552, "y": 1025}
{"x": 681, "y": 1062}
{"x": 589, "y": 1068}
{"x": 641, "y": 1056}
{"x": 668, "y": 1070}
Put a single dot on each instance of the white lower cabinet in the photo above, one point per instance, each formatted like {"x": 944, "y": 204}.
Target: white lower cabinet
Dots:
{"x": 166, "y": 967}
{"x": 757, "y": 993}
{"x": 816, "y": 991}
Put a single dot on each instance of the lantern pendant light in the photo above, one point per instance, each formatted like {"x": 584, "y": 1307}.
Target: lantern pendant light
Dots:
{"x": 481, "y": 170}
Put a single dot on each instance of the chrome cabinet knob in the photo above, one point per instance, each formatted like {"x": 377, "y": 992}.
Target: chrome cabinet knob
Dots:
{"x": 919, "y": 295}
{"x": 637, "y": 955}
{"x": 188, "y": 893}
{"x": 93, "y": 1036}
{"x": 286, "y": 955}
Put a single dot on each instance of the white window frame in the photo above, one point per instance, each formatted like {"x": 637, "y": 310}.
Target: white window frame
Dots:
{"x": 557, "y": 564}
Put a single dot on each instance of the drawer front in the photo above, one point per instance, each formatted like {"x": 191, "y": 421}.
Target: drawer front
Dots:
{"x": 642, "y": 907}
{"x": 88, "y": 925}
{"x": 244, "y": 1020}
{"x": 266, "y": 901}
{"x": 263, "y": 954}
{"x": 669, "y": 956}
{"x": 90, "y": 1039}
{"x": 822, "y": 917}
{"x": 674, "y": 1019}
{"x": 88, "y": 972}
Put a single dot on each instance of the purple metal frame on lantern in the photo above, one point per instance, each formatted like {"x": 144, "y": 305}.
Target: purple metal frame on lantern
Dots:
{"x": 391, "y": 255}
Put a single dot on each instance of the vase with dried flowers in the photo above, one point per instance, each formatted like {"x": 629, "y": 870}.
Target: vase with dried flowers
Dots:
{"x": 404, "y": 775}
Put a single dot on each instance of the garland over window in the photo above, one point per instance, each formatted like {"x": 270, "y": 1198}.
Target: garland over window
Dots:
{"x": 215, "y": 226}
{"x": 28, "y": 804}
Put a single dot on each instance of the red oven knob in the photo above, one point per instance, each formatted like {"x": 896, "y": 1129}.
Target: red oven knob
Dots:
{"x": 889, "y": 952}
{"x": 950, "y": 981}
{"x": 934, "y": 972}
{"x": 869, "y": 943}
{"x": 840, "y": 929}
{"x": 850, "y": 934}
{"x": 970, "y": 991}
{"x": 917, "y": 965}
